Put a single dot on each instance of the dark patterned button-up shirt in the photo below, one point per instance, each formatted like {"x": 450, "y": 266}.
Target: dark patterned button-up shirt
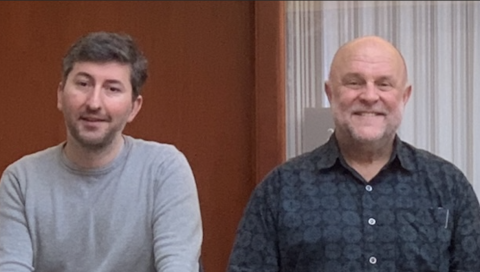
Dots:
{"x": 315, "y": 213}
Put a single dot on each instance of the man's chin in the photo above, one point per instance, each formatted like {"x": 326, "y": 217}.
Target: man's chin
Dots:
{"x": 368, "y": 137}
{"x": 93, "y": 143}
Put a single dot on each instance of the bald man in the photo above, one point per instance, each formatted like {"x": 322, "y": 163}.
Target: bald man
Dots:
{"x": 365, "y": 200}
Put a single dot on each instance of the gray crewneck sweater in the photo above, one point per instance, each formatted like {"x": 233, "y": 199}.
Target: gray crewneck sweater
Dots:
{"x": 140, "y": 213}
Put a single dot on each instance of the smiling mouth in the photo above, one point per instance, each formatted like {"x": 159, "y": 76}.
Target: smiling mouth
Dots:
{"x": 92, "y": 121}
{"x": 90, "y": 118}
{"x": 369, "y": 114}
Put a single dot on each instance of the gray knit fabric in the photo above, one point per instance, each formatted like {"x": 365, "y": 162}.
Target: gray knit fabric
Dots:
{"x": 139, "y": 213}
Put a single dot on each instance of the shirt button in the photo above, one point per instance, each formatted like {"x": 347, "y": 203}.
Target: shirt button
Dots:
{"x": 368, "y": 188}
{"x": 372, "y": 260}
{"x": 372, "y": 221}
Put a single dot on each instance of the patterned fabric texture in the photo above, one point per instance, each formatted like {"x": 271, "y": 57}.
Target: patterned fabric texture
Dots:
{"x": 315, "y": 213}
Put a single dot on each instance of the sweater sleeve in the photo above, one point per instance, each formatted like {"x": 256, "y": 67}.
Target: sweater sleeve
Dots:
{"x": 16, "y": 253}
{"x": 177, "y": 222}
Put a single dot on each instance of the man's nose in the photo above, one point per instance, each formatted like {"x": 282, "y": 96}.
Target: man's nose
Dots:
{"x": 94, "y": 99}
{"x": 370, "y": 93}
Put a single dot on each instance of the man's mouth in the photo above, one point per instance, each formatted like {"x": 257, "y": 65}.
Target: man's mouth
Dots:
{"x": 369, "y": 114}
{"x": 92, "y": 119}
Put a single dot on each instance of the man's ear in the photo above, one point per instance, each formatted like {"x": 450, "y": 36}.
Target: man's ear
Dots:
{"x": 328, "y": 91}
{"x": 137, "y": 105}
{"x": 406, "y": 94}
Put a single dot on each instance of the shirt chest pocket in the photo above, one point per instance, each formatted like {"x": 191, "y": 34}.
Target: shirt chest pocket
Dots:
{"x": 427, "y": 225}
{"x": 424, "y": 237}
{"x": 434, "y": 225}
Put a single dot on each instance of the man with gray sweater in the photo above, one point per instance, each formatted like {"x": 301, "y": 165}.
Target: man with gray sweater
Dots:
{"x": 101, "y": 201}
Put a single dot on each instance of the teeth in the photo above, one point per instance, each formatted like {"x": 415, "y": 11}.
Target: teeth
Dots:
{"x": 367, "y": 114}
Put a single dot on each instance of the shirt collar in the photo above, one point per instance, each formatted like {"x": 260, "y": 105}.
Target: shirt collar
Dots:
{"x": 402, "y": 151}
{"x": 329, "y": 154}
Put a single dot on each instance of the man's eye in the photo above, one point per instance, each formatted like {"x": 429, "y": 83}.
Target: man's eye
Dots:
{"x": 115, "y": 90}
{"x": 82, "y": 83}
{"x": 384, "y": 85}
{"x": 353, "y": 83}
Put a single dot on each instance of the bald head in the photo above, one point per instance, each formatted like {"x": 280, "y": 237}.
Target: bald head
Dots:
{"x": 368, "y": 49}
{"x": 367, "y": 90}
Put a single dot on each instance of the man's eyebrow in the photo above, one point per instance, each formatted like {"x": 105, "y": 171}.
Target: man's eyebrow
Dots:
{"x": 90, "y": 77}
{"x": 84, "y": 74}
{"x": 358, "y": 75}
{"x": 114, "y": 81}
{"x": 387, "y": 78}
{"x": 351, "y": 75}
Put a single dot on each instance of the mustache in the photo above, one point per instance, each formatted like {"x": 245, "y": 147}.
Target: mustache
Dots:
{"x": 376, "y": 110}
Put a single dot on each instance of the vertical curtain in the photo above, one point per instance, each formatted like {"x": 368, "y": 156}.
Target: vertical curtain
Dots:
{"x": 440, "y": 41}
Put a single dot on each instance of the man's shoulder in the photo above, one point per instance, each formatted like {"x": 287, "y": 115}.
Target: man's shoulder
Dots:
{"x": 37, "y": 158}
{"x": 429, "y": 166}
{"x": 162, "y": 158}
{"x": 153, "y": 149}
{"x": 303, "y": 167}
{"x": 423, "y": 158}
{"x": 320, "y": 157}
{"x": 151, "y": 145}
{"x": 33, "y": 164}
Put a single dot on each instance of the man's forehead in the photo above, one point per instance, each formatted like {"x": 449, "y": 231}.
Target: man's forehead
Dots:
{"x": 368, "y": 55}
{"x": 104, "y": 68}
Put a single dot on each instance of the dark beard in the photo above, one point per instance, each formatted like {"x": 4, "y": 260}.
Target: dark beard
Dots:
{"x": 90, "y": 145}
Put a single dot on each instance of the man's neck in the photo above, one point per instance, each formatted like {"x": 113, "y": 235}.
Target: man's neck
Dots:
{"x": 93, "y": 158}
{"x": 366, "y": 158}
